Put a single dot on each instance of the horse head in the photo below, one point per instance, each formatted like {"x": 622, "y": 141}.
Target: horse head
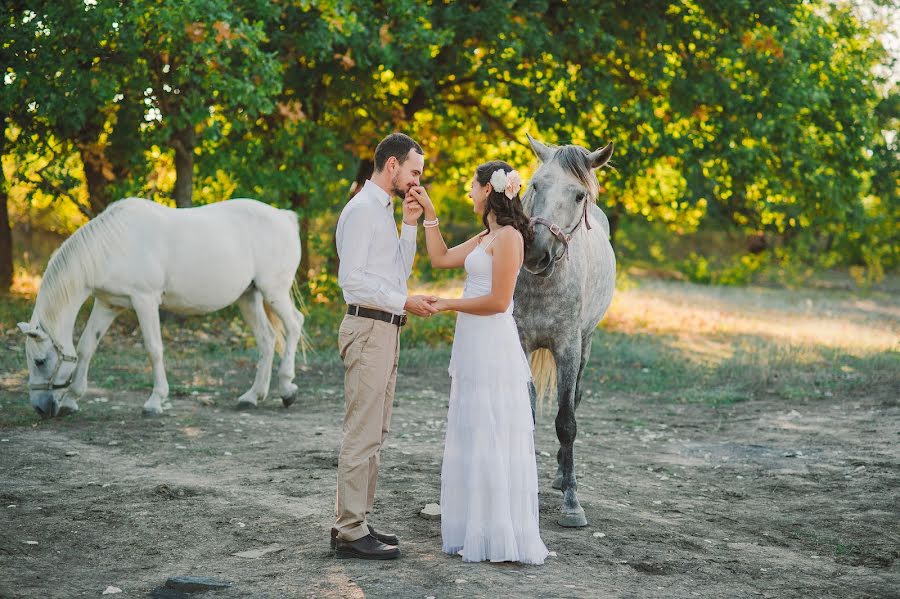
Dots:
{"x": 558, "y": 199}
{"x": 50, "y": 370}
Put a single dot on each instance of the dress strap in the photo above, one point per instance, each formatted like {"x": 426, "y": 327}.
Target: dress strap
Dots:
{"x": 488, "y": 244}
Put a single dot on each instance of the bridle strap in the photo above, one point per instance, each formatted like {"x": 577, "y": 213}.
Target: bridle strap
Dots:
{"x": 63, "y": 357}
{"x": 558, "y": 233}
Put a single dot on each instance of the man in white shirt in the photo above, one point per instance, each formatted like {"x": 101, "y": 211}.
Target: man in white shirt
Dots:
{"x": 374, "y": 265}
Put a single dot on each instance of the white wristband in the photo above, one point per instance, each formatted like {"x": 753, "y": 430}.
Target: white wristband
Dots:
{"x": 430, "y": 223}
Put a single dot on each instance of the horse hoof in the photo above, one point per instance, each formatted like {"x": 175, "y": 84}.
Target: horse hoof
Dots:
{"x": 572, "y": 520}
{"x": 246, "y": 405}
{"x": 67, "y": 409}
{"x": 557, "y": 483}
{"x": 289, "y": 400}
{"x": 151, "y": 412}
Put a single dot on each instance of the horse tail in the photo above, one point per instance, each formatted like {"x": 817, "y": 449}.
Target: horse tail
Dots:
{"x": 277, "y": 326}
{"x": 543, "y": 373}
{"x": 300, "y": 309}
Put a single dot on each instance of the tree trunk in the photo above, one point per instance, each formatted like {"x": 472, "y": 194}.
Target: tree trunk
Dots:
{"x": 97, "y": 182}
{"x": 300, "y": 203}
{"x": 184, "y": 142}
{"x": 363, "y": 172}
{"x": 615, "y": 214}
{"x": 6, "y": 259}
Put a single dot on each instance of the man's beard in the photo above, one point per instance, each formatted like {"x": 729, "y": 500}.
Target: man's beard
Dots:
{"x": 395, "y": 189}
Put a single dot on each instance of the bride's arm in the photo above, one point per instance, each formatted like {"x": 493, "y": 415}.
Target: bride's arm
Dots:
{"x": 507, "y": 260}
{"x": 440, "y": 256}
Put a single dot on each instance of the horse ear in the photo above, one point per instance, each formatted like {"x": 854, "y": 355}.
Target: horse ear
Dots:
{"x": 598, "y": 158}
{"x": 540, "y": 150}
{"x": 34, "y": 333}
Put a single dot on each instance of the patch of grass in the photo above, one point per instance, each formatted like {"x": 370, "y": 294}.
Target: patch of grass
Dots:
{"x": 16, "y": 412}
{"x": 672, "y": 341}
{"x": 14, "y": 309}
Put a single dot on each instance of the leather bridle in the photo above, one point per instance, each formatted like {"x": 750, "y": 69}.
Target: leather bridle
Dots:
{"x": 557, "y": 231}
{"x": 63, "y": 357}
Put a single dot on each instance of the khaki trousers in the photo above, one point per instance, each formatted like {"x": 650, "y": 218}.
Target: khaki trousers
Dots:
{"x": 370, "y": 350}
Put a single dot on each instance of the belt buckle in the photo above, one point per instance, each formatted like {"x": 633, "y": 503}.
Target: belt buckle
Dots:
{"x": 402, "y": 321}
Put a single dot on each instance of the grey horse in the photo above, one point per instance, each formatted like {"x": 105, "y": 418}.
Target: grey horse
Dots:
{"x": 563, "y": 290}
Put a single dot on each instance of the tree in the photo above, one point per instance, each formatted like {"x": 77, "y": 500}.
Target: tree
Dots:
{"x": 6, "y": 253}
{"x": 200, "y": 58}
{"x": 67, "y": 68}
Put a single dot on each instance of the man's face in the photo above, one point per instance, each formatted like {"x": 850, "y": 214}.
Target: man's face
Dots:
{"x": 406, "y": 174}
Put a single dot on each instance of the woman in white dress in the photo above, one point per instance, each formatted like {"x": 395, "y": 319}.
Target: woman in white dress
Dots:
{"x": 489, "y": 495}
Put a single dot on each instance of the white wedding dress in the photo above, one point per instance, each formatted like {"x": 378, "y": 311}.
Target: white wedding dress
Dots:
{"x": 489, "y": 498}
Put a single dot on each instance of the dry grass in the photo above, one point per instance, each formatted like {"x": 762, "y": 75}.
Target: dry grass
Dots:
{"x": 676, "y": 341}
{"x": 705, "y": 320}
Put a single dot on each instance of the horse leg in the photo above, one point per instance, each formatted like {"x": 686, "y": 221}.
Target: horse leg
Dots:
{"x": 532, "y": 395}
{"x": 585, "y": 356}
{"x": 147, "y": 310}
{"x": 532, "y": 390}
{"x": 293, "y": 325}
{"x": 568, "y": 360}
{"x": 251, "y": 305}
{"x": 102, "y": 315}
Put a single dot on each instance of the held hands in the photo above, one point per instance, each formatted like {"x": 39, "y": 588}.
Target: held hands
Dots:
{"x": 412, "y": 210}
{"x": 420, "y": 196}
{"x": 420, "y": 305}
{"x": 426, "y": 305}
{"x": 441, "y": 305}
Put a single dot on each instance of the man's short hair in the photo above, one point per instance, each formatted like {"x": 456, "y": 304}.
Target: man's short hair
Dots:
{"x": 397, "y": 145}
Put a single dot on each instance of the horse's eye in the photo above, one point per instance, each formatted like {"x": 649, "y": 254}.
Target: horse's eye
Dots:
{"x": 534, "y": 187}
{"x": 579, "y": 197}
{"x": 40, "y": 362}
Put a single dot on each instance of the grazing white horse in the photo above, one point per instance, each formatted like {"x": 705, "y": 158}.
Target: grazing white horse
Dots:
{"x": 144, "y": 256}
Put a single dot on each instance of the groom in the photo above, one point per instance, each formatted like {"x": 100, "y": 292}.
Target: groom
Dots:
{"x": 374, "y": 266}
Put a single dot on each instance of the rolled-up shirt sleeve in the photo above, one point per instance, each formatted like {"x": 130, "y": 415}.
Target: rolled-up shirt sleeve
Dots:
{"x": 354, "y": 240}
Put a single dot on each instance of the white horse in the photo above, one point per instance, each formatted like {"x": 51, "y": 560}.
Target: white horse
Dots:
{"x": 145, "y": 256}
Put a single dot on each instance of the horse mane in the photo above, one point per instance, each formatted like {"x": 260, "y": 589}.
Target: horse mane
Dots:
{"x": 77, "y": 263}
{"x": 575, "y": 160}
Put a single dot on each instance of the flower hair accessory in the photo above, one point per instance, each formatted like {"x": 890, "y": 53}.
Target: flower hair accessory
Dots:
{"x": 509, "y": 183}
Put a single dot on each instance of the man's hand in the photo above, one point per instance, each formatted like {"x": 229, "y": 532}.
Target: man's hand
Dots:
{"x": 420, "y": 305}
{"x": 419, "y": 194}
{"x": 412, "y": 210}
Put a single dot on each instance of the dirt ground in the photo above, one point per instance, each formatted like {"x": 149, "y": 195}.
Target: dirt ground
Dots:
{"x": 759, "y": 498}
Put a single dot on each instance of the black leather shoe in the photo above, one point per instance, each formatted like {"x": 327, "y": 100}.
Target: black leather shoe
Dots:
{"x": 380, "y": 536}
{"x": 367, "y": 547}
{"x": 384, "y": 537}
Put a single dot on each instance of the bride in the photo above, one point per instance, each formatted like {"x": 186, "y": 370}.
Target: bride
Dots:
{"x": 489, "y": 500}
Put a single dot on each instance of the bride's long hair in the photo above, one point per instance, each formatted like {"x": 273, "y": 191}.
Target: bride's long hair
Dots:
{"x": 506, "y": 211}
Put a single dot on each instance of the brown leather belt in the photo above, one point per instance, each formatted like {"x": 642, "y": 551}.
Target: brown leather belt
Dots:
{"x": 395, "y": 319}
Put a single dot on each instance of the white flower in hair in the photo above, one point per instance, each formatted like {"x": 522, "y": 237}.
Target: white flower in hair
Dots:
{"x": 507, "y": 183}
{"x": 498, "y": 180}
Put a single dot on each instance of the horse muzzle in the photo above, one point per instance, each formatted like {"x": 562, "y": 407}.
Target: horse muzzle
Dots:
{"x": 45, "y": 404}
{"x": 542, "y": 266}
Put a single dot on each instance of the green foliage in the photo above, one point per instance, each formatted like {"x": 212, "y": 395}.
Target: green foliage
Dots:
{"x": 768, "y": 122}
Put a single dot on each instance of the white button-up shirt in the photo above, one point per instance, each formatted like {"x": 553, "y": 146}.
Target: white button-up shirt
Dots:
{"x": 375, "y": 261}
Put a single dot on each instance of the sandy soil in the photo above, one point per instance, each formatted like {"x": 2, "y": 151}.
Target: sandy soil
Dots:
{"x": 762, "y": 498}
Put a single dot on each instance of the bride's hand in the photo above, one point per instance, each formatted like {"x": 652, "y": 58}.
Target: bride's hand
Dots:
{"x": 419, "y": 194}
{"x": 441, "y": 305}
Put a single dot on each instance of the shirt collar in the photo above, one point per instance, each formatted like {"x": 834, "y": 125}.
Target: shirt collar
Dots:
{"x": 376, "y": 192}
